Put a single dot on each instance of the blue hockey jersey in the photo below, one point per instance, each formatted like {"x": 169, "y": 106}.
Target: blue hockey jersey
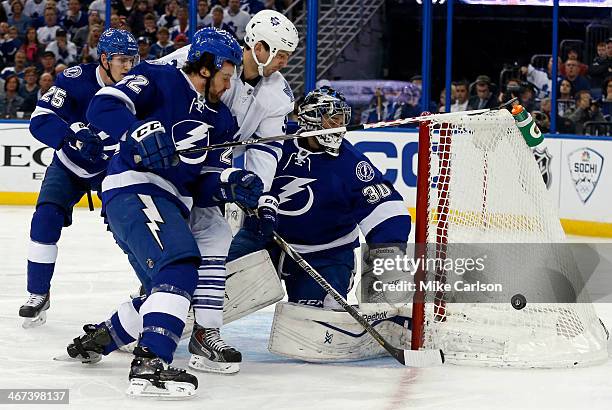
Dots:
{"x": 66, "y": 103}
{"x": 324, "y": 201}
{"x": 163, "y": 93}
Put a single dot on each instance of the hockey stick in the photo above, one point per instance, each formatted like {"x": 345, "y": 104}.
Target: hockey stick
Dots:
{"x": 411, "y": 358}
{"x": 90, "y": 200}
{"x": 327, "y": 131}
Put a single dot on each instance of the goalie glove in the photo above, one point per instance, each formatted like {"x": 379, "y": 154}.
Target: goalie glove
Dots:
{"x": 266, "y": 221}
{"x": 147, "y": 143}
{"x": 383, "y": 282}
{"x": 238, "y": 185}
{"x": 88, "y": 144}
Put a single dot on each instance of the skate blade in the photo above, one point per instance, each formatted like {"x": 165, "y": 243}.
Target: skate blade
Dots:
{"x": 93, "y": 358}
{"x": 35, "y": 321}
{"x": 173, "y": 390}
{"x": 202, "y": 364}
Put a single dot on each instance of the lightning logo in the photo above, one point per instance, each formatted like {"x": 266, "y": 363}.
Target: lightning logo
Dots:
{"x": 152, "y": 214}
{"x": 195, "y": 131}
{"x": 289, "y": 190}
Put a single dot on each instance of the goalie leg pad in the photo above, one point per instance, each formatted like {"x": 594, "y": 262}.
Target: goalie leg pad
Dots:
{"x": 322, "y": 335}
{"x": 252, "y": 284}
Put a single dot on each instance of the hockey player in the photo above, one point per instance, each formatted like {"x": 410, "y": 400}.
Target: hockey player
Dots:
{"x": 327, "y": 193}
{"x": 260, "y": 98}
{"x": 79, "y": 162}
{"x": 148, "y": 194}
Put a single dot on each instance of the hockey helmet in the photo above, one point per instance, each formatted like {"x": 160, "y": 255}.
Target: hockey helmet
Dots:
{"x": 318, "y": 107}
{"x": 276, "y": 30}
{"x": 217, "y": 42}
{"x": 118, "y": 42}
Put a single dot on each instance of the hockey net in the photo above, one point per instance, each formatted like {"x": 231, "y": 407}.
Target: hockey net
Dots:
{"x": 478, "y": 183}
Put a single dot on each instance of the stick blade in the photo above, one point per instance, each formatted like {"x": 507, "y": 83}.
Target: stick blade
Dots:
{"x": 423, "y": 358}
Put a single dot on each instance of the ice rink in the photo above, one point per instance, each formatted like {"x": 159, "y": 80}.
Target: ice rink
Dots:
{"x": 93, "y": 277}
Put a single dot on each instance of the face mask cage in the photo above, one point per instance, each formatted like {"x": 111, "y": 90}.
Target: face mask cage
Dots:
{"x": 316, "y": 113}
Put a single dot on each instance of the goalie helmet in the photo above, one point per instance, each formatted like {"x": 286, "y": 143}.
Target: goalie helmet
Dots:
{"x": 118, "y": 42}
{"x": 273, "y": 28}
{"x": 317, "y": 109}
{"x": 217, "y": 42}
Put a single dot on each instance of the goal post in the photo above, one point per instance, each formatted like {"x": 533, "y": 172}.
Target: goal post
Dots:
{"x": 478, "y": 183}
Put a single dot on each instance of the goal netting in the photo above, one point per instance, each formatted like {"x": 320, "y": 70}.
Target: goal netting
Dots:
{"x": 478, "y": 183}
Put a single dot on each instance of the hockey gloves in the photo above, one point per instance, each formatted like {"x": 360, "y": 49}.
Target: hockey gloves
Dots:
{"x": 88, "y": 144}
{"x": 238, "y": 185}
{"x": 148, "y": 144}
{"x": 266, "y": 220}
{"x": 376, "y": 269}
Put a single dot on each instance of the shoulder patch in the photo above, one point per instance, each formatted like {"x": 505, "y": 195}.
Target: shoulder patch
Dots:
{"x": 364, "y": 171}
{"x": 288, "y": 91}
{"x": 73, "y": 72}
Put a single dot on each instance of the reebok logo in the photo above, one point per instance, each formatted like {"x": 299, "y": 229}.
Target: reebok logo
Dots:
{"x": 375, "y": 316}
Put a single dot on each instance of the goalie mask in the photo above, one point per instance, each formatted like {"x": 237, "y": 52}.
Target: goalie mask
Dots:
{"x": 325, "y": 108}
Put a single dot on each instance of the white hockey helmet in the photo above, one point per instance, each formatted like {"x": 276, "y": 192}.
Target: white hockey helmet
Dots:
{"x": 275, "y": 29}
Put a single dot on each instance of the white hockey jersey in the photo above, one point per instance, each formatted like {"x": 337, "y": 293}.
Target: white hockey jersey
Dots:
{"x": 260, "y": 111}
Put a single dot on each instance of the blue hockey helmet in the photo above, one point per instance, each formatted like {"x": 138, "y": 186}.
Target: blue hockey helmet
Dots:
{"x": 217, "y": 42}
{"x": 115, "y": 41}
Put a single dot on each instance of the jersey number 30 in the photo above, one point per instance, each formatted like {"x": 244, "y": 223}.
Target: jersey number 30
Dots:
{"x": 375, "y": 193}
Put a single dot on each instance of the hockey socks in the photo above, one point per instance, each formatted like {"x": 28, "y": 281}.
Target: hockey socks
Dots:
{"x": 165, "y": 311}
{"x": 45, "y": 231}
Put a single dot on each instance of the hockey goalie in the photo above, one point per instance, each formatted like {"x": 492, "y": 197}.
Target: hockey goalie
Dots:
{"x": 324, "y": 194}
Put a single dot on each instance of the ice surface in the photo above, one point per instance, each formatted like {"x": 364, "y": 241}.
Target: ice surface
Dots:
{"x": 93, "y": 277}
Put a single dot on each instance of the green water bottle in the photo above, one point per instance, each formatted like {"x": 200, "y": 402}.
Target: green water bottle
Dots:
{"x": 525, "y": 123}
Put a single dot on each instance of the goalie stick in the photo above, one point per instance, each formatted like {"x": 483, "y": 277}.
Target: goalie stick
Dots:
{"x": 315, "y": 133}
{"x": 411, "y": 358}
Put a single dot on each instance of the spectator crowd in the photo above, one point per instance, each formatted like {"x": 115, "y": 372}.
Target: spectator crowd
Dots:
{"x": 584, "y": 94}
{"x": 41, "y": 38}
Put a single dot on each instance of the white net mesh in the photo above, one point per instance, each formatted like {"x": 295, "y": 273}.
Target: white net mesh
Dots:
{"x": 485, "y": 187}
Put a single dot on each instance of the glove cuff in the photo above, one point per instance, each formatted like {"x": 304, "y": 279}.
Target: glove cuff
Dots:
{"x": 225, "y": 174}
{"x": 268, "y": 201}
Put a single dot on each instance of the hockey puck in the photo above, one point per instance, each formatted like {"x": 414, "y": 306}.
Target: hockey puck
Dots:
{"x": 518, "y": 301}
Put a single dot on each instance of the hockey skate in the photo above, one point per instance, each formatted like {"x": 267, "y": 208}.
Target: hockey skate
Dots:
{"x": 209, "y": 353}
{"x": 35, "y": 310}
{"x": 88, "y": 348}
{"x": 150, "y": 376}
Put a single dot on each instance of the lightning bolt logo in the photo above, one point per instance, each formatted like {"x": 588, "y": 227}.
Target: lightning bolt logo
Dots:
{"x": 152, "y": 214}
{"x": 293, "y": 187}
{"x": 195, "y": 131}
{"x": 195, "y": 135}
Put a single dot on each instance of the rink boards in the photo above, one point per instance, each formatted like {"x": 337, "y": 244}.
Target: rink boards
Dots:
{"x": 577, "y": 171}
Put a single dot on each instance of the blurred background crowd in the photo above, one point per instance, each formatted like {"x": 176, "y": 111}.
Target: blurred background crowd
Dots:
{"x": 40, "y": 38}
